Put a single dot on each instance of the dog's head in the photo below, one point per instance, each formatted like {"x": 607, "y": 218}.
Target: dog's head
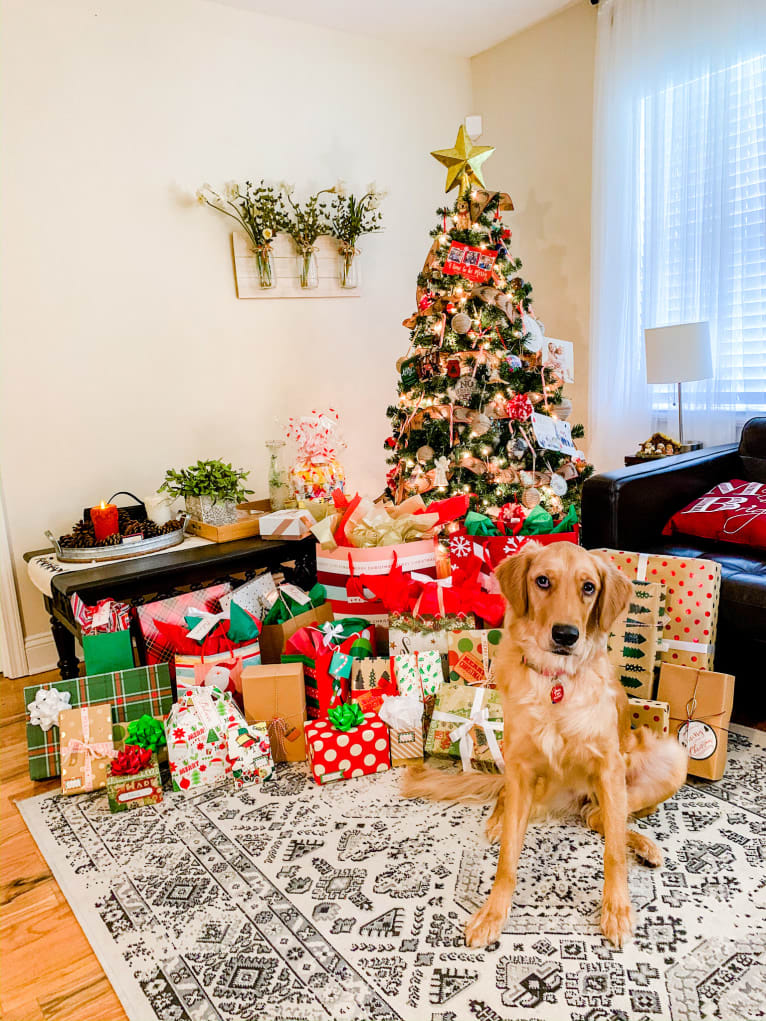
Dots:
{"x": 563, "y": 601}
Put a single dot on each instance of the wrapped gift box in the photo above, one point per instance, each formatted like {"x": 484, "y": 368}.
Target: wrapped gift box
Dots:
{"x": 250, "y": 754}
{"x": 133, "y": 790}
{"x": 470, "y": 655}
{"x": 647, "y": 606}
{"x": 158, "y": 647}
{"x": 293, "y": 523}
{"x": 341, "y": 755}
{"x": 654, "y": 715}
{"x": 130, "y": 693}
{"x": 86, "y": 747}
{"x": 275, "y": 693}
{"x": 459, "y": 730}
{"x": 700, "y": 710}
{"x": 692, "y": 590}
{"x": 632, "y": 652}
{"x": 327, "y": 653}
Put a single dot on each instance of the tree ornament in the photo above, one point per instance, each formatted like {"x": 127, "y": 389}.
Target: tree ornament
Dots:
{"x": 426, "y": 454}
{"x": 390, "y": 442}
{"x": 564, "y": 409}
{"x": 453, "y": 368}
{"x": 555, "y": 506}
{"x": 440, "y": 475}
{"x": 558, "y": 484}
{"x": 461, "y": 323}
{"x": 463, "y": 161}
{"x": 519, "y": 408}
{"x": 480, "y": 423}
{"x": 511, "y": 516}
{"x": 535, "y": 339}
{"x": 465, "y": 388}
{"x": 426, "y": 301}
{"x": 516, "y": 448}
{"x": 531, "y": 497}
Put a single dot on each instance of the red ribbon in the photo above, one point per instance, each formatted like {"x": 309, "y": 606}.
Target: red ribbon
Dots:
{"x": 131, "y": 760}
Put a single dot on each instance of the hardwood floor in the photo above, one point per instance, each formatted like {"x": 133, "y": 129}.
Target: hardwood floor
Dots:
{"x": 48, "y": 971}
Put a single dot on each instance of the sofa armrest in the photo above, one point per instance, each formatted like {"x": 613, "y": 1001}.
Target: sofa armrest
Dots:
{"x": 627, "y": 509}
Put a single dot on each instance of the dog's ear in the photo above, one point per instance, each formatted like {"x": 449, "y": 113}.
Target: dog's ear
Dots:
{"x": 614, "y": 597}
{"x": 512, "y": 576}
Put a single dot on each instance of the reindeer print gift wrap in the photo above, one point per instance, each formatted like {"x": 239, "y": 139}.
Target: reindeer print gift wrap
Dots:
{"x": 692, "y": 590}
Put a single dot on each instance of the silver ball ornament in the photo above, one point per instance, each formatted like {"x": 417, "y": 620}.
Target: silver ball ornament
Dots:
{"x": 558, "y": 484}
{"x": 461, "y": 322}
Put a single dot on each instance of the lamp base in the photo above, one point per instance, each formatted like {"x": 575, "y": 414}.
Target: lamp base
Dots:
{"x": 691, "y": 445}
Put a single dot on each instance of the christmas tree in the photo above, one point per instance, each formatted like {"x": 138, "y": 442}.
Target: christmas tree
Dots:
{"x": 481, "y": 408}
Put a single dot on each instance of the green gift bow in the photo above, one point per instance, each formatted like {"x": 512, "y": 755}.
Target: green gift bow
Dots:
{"x": 346, "y": 716}
{"x": 479, "y": 524}
{"x": 285, "y": 608}
{"x": 537, "y": 522}
{"x": 242, "y": 626}
{"x": 146, "y": 732}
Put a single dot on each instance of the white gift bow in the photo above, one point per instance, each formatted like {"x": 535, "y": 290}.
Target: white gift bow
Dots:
{"x": 206, "y": 622}
{"x": 330, "y": 632}
{"x": 401, "y": 712}
{"x": 48, "y": 703}
{"x": 478, "y": 717}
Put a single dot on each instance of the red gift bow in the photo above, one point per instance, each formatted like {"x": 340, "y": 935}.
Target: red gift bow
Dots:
{"x": 131, "y": 760}
{"x": 519, "y": 408}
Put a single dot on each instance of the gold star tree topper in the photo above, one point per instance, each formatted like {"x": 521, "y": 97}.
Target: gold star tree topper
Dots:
{"x": 463, "y": 161}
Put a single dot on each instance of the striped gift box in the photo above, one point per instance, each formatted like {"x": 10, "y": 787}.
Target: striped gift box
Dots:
{"x": 336, "y": 569}
{"x": 132, "y": 693}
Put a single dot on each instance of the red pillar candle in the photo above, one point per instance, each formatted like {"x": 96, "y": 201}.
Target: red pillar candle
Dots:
{"x": 105, "y": 520}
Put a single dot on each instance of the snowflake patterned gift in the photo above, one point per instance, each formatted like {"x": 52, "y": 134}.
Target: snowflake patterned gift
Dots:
{"x": 197, "y": 736}
{"x": 341, "y": 754}
{"x": 467, "y": 724}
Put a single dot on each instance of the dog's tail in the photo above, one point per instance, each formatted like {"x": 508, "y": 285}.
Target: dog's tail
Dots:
{"x": 440, "y": 785}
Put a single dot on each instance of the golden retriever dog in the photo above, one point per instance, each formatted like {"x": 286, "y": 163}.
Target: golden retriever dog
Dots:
{"x": 566, "y": 735}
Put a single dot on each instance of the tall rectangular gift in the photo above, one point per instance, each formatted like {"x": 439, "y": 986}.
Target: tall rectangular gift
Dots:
{"x": 275, "y": 694}
{"x": 131, "y": 693}
{"x": 327, "y": 653}
{"x": 86, "y": 747}
{"x": 692, "y": 590}
{"x": 470, "y": 655}
{"x": 700, "y": 710}
{"x": 349, "y": 743}
{"x": 467, "y": 724}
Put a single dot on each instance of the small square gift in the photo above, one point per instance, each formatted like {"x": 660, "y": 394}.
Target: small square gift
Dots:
{"x": 403, "y": 715}
{"x": 646, "y": 713}
{"x": 86, "y": 747}
{"x": 467, "y": 724}
{"x": 293, "y": 523}
{"x": 347, "y": 744}
{"x": 700, "y": 710}
{"x": 327, "y": 653}
{"x": 105, "y": 635}
{"x": 250, "y": 753}
{"x": 133, "y": 779}
{"x": 470, "y": 656}
{"x": 197, "y": 732}
{"x": 276, "y": 694}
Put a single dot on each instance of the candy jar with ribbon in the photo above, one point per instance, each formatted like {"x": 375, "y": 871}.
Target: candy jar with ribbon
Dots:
{"x": 317, "y": 473}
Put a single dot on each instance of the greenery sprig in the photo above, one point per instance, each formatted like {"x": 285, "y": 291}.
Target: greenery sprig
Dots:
{"x": 308, "y": 220}
{"x": 214, "y": 478}
{"x": 350, "y": 217}
{"x": 260, "y": 210}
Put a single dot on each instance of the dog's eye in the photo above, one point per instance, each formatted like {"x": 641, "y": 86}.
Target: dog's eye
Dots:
{"x": 542, "y": 581}
{"x": 589, "y": 588}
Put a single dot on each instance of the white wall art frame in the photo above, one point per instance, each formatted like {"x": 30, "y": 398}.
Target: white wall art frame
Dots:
{"x": 286, "y": 263}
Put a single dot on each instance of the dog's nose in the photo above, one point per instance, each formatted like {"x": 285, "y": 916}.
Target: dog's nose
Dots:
{"x": 565, "y": 634}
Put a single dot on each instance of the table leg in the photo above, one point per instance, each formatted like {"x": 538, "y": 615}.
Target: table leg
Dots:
{"x": 68, "y": 663}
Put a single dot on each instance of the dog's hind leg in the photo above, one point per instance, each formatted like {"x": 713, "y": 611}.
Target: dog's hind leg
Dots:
{"x": 644, "y": 847}
{"x": 494, "y": 825}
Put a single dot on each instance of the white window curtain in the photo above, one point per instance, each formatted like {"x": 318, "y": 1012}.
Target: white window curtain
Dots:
{"x": 679, "y": 214}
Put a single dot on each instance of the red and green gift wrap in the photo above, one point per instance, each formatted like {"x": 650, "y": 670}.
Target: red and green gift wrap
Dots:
{"x": 132, "y": 693}
{"x": 159, "y": 648}
{"x": 326, "y": 653}
{"x": 105, "y": 635}
{"x": 133, "y": 779}
{"x": 349, "y": 743}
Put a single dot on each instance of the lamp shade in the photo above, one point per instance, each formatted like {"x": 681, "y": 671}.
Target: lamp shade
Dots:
{"x": 679, "y": 353}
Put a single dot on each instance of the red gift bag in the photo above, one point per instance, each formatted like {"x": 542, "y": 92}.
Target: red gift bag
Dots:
{"x": 159, "y": 647}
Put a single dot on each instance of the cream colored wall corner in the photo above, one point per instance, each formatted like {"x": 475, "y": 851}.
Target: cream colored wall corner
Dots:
{"x": 535, "y": 92}
{"x": 124, "y": 347}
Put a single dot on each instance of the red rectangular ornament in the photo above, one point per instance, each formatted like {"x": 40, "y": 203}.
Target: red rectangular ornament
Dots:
{"x": 472, "y": 263}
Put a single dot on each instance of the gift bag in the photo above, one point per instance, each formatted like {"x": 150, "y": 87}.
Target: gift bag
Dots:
{"x": 290, "y": 609}
{"x": 327, "y": 653}
{"x": 467, "y": 724}
{"x": 131, "y": 693}
{"x": 86, "y": 747}
{"x": 159, "y": 648}
{"x": 700, "y": 711}
{"x": 105, "y": 635}
{"x": 197, "y": 733}
{"x": 403, "y": 715}
{"x": 419, "y": 674}
{"x": 408, "y": 634}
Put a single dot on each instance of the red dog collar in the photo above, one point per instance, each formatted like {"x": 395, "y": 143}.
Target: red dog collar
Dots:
{"x": 557, "y": 690}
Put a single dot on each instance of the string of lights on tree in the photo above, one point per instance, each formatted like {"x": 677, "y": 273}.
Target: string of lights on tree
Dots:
{"x": 471, "y": 379}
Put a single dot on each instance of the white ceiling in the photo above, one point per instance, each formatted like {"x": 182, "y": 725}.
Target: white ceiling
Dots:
{"x": 463, "y": 27}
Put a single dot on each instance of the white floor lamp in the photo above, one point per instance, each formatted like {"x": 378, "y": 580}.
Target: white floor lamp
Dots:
{"x": 679, "y": 354}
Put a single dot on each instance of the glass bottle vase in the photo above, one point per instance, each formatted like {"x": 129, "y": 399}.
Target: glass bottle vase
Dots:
{"x": 264, "y": 260}
{"x": 280, "y": 491}
{"x": 348, "y": 268}
{"x": 308, "y": 272}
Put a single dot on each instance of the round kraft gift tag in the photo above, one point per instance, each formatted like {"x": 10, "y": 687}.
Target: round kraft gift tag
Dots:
{"x": 698, "y": 739}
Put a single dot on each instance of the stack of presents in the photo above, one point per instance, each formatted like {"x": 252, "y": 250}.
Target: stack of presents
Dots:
{"x": 388, "y": 658}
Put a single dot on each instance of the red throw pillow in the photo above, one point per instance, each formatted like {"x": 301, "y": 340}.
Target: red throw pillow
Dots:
{"x": 732, "y": 511}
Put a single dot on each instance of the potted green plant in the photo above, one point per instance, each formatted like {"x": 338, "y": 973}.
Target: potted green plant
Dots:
{"x": 211, "y": 490}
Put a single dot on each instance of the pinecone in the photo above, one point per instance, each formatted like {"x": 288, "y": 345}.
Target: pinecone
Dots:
{"x": 150, "y": 530}
{"x": 83, "y": 530}
{"x": 132, "y": 527}
{"x": 171, "y": 526}
{"x": 111, "y": 540}
{"x": 123, "y": 517}
{"x": 65, "y": 541}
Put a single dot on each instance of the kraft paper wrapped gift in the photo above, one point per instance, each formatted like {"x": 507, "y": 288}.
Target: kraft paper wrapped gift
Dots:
{"x": 646, "y": 713}
{"x": 700, "y": 710}
{"x": 467, "y": 724}
{"x": 86, "y": 747}
{"x": 403, "y": 715}
{"x": 692, "y": 591}
{"x": 632, "y": 652}
{"x": 275, "y": 694}
{"x": 470, "y": 655}
{"x": 287, "y": 524}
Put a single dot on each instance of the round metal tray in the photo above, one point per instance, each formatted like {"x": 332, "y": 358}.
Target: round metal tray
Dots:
{"x": 125, "y": 551}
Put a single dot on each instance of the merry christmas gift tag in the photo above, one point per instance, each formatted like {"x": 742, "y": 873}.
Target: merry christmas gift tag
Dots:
{"x": 470, "y": 656}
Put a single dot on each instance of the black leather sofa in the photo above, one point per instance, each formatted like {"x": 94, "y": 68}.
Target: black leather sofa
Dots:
{"x": 628, "y": 509}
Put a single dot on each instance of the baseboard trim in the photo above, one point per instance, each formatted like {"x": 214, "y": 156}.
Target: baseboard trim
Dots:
{"x": 41, "y": 652}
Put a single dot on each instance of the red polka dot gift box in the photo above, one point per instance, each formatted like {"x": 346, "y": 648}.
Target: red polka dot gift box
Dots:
{"x": 343, "y": 754}
{"x": 692, "y": 592}
{"x": 646, "y": 713}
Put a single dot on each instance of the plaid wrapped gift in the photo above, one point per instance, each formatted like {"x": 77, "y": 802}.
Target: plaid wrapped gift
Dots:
{"x": 159, "y": 648}
{"x": 132, "y": 693}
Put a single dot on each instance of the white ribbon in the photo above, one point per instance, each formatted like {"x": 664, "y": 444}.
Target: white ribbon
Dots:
{"x": 643, "y": 564}
{"x": 674, "y": 643}
{"x": 48, "y": 703}
{"x": 331, "y": 632}
{"x": 206, "y": 623}
{"x": 478, "y": 717}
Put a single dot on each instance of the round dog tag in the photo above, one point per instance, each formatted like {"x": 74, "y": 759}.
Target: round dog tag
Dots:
{"x": 557, "y": 693}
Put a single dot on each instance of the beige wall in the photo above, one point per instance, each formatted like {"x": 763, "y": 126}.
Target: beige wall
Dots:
{"x": 535, "y": 91}
{"x": 124, "y": 348}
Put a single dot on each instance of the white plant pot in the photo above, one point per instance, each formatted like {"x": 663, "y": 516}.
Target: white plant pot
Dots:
{"x": 212, "y": 512}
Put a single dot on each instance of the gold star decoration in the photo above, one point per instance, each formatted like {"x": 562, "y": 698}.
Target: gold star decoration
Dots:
{"x": 463, "y": 161}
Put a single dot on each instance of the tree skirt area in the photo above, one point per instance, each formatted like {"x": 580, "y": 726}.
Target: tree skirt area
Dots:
{"x": 292, "y": 902}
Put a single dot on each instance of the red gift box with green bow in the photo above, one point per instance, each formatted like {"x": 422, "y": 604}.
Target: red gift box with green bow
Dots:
{"x": 347, "y": 744}
{"x": 327, "y": 652}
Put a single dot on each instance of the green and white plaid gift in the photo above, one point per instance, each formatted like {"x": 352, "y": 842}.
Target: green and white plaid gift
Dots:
{"x": 132, "y": 693}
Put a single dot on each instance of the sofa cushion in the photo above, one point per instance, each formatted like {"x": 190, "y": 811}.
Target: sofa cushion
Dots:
{"x": 731, "y": 512}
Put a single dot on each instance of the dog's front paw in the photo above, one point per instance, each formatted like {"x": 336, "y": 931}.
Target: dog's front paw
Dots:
{"x": 485, "y": 926}
{"x": 617, "y": 922}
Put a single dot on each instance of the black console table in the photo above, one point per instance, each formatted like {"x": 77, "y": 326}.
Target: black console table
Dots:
{"x": 145, "y": 579}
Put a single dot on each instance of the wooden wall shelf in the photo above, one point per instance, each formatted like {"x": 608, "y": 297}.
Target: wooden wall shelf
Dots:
{"x": 286, "y": 260}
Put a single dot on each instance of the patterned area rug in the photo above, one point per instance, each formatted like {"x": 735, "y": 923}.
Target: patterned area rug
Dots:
{"x": 299, "y": 903}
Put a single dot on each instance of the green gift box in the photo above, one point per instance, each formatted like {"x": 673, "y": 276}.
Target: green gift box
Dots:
{"x": 132, "y": 693}
{"x": 106, "y": 652}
